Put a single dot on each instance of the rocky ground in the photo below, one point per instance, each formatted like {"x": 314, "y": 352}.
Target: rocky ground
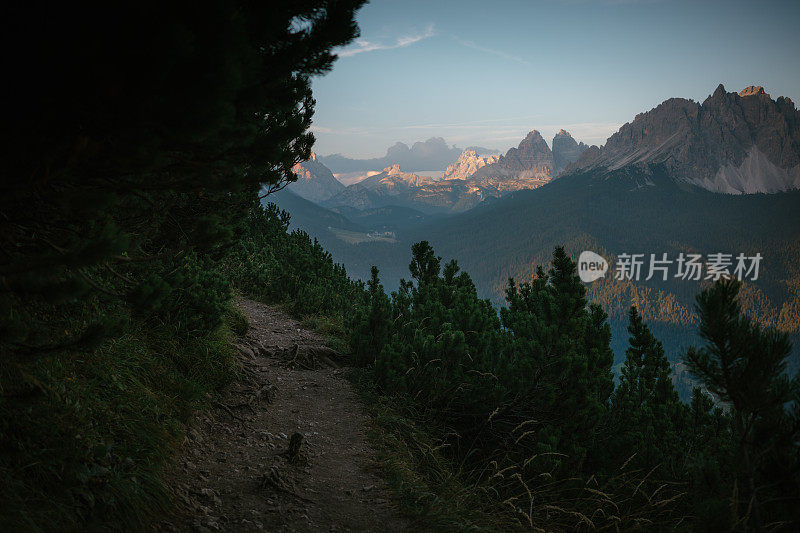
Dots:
{"x": 284, "y": 449}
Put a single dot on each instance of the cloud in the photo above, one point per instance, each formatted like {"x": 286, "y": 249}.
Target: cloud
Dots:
{"x": 362, "y": 45}
{"x": 498, "y": 53}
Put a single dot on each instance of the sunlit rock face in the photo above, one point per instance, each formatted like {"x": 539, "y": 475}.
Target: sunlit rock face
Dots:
{"x": 465, "y": 183}
{"x": 315, "y": 182}
{"x": 469, "y": 162}
{"x": 731, "y": 143}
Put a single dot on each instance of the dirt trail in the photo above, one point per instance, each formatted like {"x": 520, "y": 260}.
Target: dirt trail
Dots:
{"x": 235, "y": 474}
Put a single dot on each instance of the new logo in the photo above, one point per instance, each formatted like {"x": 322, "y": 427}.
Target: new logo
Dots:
{"x": 591, "y": 266}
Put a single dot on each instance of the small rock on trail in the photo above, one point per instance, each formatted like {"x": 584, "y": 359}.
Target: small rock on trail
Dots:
{"x": 284, "y": 448}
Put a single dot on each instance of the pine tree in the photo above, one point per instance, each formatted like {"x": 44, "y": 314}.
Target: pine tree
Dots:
{"x": 561, "y": 359}
{"x": 743, "y": 366}
{"x": 646, "y": 413}
{"x": 370, "y": 330}
{"x": 136, "y": 136}
{"x": 442, "y": 344}
{"x": 710, "y": 463}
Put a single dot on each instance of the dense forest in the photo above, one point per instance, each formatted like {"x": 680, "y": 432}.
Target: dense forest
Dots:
{"x": 610, "y": 215}
{"x": 140, "y": 145}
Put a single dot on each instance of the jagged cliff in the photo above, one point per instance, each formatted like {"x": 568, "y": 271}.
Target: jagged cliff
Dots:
{"x": 468, "y": 163}
{"x": 731, "y": 143}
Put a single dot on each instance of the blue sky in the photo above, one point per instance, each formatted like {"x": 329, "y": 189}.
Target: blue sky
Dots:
{"x": 487, "y": 72}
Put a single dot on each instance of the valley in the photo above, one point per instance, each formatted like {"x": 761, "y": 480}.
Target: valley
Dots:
{"x": 643, "y": 192}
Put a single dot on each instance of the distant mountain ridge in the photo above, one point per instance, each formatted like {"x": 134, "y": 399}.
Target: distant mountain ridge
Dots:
{"x": 433, "y": 154}
{"x": 396, "y": 187}
{"x": 566, "y": 150}
{"x": 529, "y": 165}
{"x": 468, "y": 163}
{"x": 731, "y": 143}
{"x": 653, "y": 188}
{"x": 467, "y": 182}
{"x": 315, "y": 182}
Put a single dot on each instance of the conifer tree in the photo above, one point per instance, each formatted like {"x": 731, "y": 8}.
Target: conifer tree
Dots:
{"x": 443, "y": 342}
{"x": 136, "y": 135}
{"x": 370, "y": 330}
{"x": 563, "y": 358}
{"x": 709, "y": 462}
{"x": 646, "y": 412}
{"x": 743, "y": 366}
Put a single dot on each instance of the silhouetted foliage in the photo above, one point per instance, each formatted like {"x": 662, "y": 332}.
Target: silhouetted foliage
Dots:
{"x": 744, "y": 366}
{"x": 136, "y": 134}
{"x": 138, "y": 137}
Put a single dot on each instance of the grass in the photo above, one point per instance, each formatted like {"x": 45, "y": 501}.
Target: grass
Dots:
{"x": 85, "y": 436}
{"x": 332, "y": 328}
{"x": 437, "y": 494}
{"x": 237, "y": 321}
{"x": 432, "y": 492}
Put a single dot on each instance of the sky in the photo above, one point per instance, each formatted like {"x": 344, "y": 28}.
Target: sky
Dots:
{"x": 487, "y": 72}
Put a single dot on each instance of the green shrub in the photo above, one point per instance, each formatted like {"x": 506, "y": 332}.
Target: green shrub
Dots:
{"x": 276, "y": 266}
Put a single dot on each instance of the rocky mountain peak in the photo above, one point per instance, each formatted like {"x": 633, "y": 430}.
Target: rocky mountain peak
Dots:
{"x": 530, "y": 164}
{"x": 393, "y": 169}
{"x": 315, "y": 181}
{"x": 533, "y": 142}
{"x": 731, "y": 143}
{"x": 566, "y": 150}
{"x": 467, "y": 164}
{"x": 532, "y": 135}
{"x": 753, "y": 90}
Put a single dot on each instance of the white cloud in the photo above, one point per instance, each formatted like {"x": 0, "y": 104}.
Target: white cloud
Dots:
{"x": 498, "y": 53}
{"x": 362, "y": 45}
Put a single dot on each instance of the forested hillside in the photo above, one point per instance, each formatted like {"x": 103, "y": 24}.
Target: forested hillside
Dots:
{"x": 621, "y": 213}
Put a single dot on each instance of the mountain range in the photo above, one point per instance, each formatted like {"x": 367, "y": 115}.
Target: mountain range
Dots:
{"x": 719, "y": 176}
{"x": 432, "y": 154}
{"x": 315, "y": 182}
{"x": 730, "y": 143}
{"x": 468, "y": 181}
